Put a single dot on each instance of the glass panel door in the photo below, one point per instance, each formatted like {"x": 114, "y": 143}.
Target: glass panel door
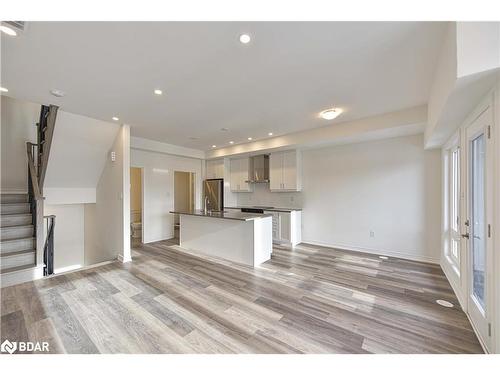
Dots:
{"x": 477, "y": 227}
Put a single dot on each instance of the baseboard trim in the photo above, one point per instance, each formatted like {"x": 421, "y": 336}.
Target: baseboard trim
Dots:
{"x": 393, "y": 254}
{"x": 454, "y": 286}
{"x": 21, "y": 276}
{"x": 123, "y": 259}
{"x": 61, "y": 270}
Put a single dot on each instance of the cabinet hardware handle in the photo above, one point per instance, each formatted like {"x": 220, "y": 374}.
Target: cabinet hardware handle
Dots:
{"x": 466, "y": 235}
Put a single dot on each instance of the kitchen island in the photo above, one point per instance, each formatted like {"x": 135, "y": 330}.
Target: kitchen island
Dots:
{"x": 244, "y": 238}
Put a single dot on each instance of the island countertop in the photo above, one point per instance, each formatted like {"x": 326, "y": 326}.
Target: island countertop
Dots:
{"x": 230, "y": 215}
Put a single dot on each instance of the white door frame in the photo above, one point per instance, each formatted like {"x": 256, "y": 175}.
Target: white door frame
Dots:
{"x": 477, "y": 124}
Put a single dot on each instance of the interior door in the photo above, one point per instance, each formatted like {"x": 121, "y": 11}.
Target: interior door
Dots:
{"x": 478, "y": 222}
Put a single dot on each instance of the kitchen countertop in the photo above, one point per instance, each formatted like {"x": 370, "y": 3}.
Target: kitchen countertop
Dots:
{"x": 242, "y": 216}
{"x": 277, "y": 209}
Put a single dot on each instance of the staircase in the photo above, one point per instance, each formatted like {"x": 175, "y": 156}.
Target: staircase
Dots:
{"x": 17, "y": 240}
{"x": 24, "y": 252}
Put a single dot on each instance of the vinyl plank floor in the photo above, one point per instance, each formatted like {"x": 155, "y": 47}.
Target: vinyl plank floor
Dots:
{"x": 311, "y": 299}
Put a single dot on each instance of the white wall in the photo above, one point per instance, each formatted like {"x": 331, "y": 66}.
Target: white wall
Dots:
{"x": 159, "y": 189}
{"x": 391, "y": 187}
{"x": 478, "y": 47}
{"x": 18, "y": 125}
{"x": 112, "y": 208}
{"x": 78, "y": 153}
{"x": 68, "y": 236}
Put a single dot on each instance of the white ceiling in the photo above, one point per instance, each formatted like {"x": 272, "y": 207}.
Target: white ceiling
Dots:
{"x": 277, "y": 83}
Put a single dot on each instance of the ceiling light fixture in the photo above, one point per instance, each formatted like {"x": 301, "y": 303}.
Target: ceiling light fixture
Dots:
{"x": 214, "y": 146}
{"x": 115, "y": 118}
{"x": 330, "y": 114}
{"x": 158, "y": 92}
{"x": 7, "y": 30}
{"x": 231, "y": 142}
{"x": 245, "y": 38}
{"x": 269, "y": 134}
{"x": 249, "y": 138}
{"x": 3, "y": 89}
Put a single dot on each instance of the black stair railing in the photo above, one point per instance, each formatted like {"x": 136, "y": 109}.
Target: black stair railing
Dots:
{"x": 48, "y": 248}
{"x": 38, "y": 156}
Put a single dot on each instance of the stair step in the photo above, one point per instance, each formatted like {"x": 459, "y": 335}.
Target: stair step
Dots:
{"x": 17, "y": 259}
{"x": 15, "y": 269}
{"x": 13, "y": 198}
{"x": 11, "y": 233}
{"x": 15, "y": 208}
{"x": 10, "y": 220}
{"x": 18, "y": 244}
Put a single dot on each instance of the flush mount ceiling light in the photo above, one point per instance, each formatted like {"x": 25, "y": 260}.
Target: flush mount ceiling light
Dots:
{"x": 57, "y": 93}
{"x": 330, "y": 114}
{"x": 158, "y": 92}
{"x": 115, "y": 118}
{"x": 249, "y": 138}
{"x": 231, "y": 142}
{"x": 3, "y": 89}
{"x": 269, "y": 134}
{"x": 8, "y": 30}
{"x": 214, "y": 146}
{"x": 245, "y": 38}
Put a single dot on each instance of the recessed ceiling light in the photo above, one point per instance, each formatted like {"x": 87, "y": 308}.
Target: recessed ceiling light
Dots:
{"x": 7, "y": 30}
{"x": 269, "y": 134}
{"x": 231, "y": 142}
{"x": 224, "y": 129}
{"x": 214, "y": 146}
{"x": 245, "y": 38}
{"x": 249, "y": 138}
{"x": 115, "y": 118}
{"x": 193, "y": 138}
{"x": 330, "y": 114}
{"x": 57, "y": 93}
{"x": 3, "y": 89}
{"x": 158, "y": 92}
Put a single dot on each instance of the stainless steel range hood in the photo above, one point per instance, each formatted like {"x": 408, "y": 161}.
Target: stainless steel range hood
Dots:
{"x": 259, "y": 169}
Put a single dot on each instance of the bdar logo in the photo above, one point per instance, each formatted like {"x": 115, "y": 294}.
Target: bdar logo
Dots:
{"x": 9, "y": 347}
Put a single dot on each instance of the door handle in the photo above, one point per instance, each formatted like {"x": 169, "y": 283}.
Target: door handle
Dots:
{"x": 466, "y": 235}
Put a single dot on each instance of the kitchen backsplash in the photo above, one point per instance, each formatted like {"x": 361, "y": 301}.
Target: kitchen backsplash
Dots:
{"x": 262, "y": 196}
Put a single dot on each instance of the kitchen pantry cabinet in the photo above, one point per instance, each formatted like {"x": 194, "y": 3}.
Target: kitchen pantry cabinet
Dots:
{"x": 215, "y": 168}
{"x": 239, "y": 169}
{"x": 285, "y": 171}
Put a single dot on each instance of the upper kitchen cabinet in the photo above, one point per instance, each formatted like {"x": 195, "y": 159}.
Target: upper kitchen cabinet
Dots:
{"x": 239, "y": 172}
{"x": 215, "y": 168}
{"x": 285, "y": 171}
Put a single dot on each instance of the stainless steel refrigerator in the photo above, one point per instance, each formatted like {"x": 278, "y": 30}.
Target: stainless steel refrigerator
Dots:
{"x": 213, "y": 194}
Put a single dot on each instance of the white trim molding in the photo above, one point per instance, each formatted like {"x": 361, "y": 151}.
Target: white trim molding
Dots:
{"x": 393, "y": 254}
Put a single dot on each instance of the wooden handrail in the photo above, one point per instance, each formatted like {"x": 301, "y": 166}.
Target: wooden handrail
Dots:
{"x": 31, "y": 166}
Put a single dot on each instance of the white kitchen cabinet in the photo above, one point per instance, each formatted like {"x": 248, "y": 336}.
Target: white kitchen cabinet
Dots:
{"x": 215, "y": 168}
{"x": 239, "y": 169}
{"x": 287, "y": 227}
{"x": 285, "y": 171}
